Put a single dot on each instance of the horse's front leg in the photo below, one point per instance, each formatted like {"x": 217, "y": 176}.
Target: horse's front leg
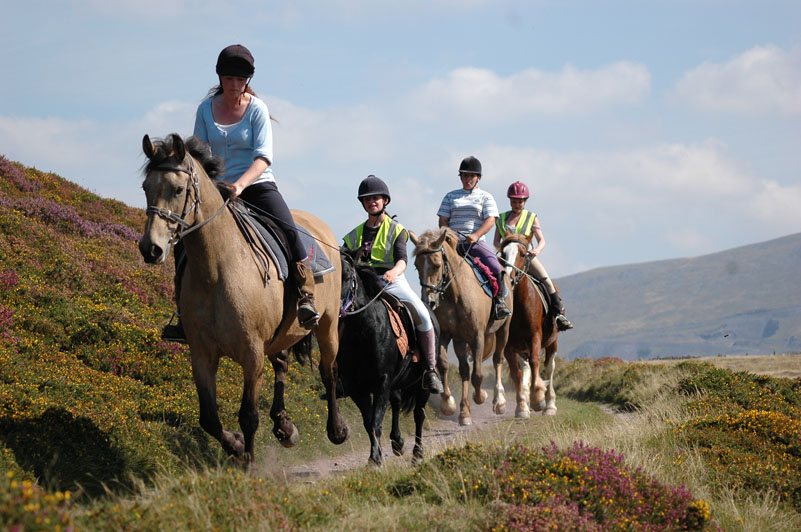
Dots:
{"x": 252, "y": 370}
{"x": 328, "y": 339}
{"x": 448, "y": 404}
{"x": 518, "y": 371}
{"x": 395, "y": 436}
{"x": 539, "y": 389}
{"x": 380, "y": 403}
{"x": 550, "y": 368}
{"x": 477, "y": 377}
{"x": 499, "y": 393}
{"x": 464, "y": 372}
{"x": 204, "y": 372}
{"x": 283, "y": 429}
{"x": 419, "y": 419}
{"x": 365, "y": 406}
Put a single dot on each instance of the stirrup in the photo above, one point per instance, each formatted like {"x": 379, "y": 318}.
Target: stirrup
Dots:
{"x": 500, "y": 310}
{"x": 174, "y": 333}
{"x": 562, "y": 323}
{"x": 308, "y": 317}
{"x": 432, "y": 382}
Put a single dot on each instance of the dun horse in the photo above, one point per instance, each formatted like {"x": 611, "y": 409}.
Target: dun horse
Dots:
{"x": 452, "y": 290}
{"x": 229, "y": 305}
{"x": 532, "y": 330}
{"x": 371, "y": 366}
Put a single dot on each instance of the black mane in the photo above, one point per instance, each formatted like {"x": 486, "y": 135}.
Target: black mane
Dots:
{"x": 165, "y": 155}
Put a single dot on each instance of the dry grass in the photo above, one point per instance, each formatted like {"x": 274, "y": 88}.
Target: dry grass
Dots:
{"x": 785, "y": 365}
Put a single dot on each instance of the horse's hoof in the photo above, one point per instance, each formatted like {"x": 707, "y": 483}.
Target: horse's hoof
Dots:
{"x": 448, "y": 406}
{"x": 397, "y": 447}
{"x": 479, "y": 397}
{"x": 499, "y": 408}
{"x": 292, "y": 438}
{"x": 538, "y": 407}
{"x": 465, "y": 421}
{"x": 417, "y": 455}
{"x": 338, "y": 436}
{"x": 522, "y": 413}
{"x": 550, "y": 411}
{"x": 375, "y": 462}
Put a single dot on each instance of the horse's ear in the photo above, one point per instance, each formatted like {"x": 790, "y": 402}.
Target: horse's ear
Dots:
{"x": 148, "y": 147}
{"x": 443, "y": 233}
{"x": 413, "y": 238}
{"x": 178, "y": 146}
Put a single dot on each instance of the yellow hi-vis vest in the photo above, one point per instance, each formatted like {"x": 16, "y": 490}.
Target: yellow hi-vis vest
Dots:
{"x": 524, "y": 226}
{"x": 382, "y": 252}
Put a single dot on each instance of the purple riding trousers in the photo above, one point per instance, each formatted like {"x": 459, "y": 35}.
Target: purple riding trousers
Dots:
{"x": 483, "y": 252}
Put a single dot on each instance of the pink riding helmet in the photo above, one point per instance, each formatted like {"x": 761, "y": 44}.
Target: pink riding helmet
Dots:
{"x": 518, "y": 189}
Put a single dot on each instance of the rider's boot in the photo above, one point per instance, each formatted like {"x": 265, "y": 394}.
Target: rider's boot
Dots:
{"x": 562, "y": 323}
{"x": 427, "y": 341}
{"x": 499, "y": 308}
{"x": 307, "y": 314}
{"x": 175, "y": 333}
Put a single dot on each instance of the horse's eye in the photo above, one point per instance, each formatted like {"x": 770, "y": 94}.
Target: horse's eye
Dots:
{"x": 180, "y": 191}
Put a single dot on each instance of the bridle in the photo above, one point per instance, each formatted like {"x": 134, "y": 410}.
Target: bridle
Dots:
{"x": 182, "y": 227}
{"x": 444, "y": 282}
{"x": 520, "y": 271}
{"x": 346, "y": 305}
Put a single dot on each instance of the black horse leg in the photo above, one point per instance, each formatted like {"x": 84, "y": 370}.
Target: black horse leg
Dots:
{"x": 283, "y": 428}
{"x": 395, "y": 434}
{"x": 365, "y": 406}
{"x": 419, "y": 419}
{"x": 380, "y": 403}
{"x": 252, "y": 370}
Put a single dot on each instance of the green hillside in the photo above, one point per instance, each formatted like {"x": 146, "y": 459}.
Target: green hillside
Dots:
{"x": 80, "y": 353}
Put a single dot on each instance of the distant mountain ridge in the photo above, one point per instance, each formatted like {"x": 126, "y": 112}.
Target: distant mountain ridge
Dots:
{"x": 742, "y": 300}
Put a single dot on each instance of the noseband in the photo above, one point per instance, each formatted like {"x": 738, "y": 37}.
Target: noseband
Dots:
{"x": 182, "y": 227}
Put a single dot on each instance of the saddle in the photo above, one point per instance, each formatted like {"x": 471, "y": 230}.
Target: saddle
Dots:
{"x": 273, "y": 241}
{"x": 400, "y": 316}
{"x": 484, "y": 276}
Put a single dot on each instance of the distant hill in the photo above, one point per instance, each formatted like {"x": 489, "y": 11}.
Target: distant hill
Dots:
{"x": 745, "y": 300}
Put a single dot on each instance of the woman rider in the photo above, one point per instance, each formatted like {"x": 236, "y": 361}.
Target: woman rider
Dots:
{"x": 384, "y": 242}
{"x": 236, "y": 125}
{"x": 519, "y": 220}
{"x": 471, "y": 212}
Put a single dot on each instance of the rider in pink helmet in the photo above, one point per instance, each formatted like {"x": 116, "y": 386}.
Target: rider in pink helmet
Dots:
{"x": 519, "y": 220}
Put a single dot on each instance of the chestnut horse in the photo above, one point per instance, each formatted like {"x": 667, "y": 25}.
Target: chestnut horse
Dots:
{"x": 452, "y": 291}
{"x": 231, "y": 306}
{"x": 533, "y": 329}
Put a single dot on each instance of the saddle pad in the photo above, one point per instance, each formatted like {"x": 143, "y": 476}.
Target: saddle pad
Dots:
{"x": 483, "y": 280}
{"x": 320, "y": 265}
{"x": 397, "y": 328}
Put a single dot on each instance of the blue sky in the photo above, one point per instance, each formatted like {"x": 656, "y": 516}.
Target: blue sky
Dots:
{"x": 647, "y": 130}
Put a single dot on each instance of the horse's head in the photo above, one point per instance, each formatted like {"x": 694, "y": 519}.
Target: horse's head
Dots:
{"x": 431, "y": 261}
{"x": 172, "y": 190}
{"x": 513, "y": 253}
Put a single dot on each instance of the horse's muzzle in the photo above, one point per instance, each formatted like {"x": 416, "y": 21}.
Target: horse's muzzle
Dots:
{"x": 152, "y": 253}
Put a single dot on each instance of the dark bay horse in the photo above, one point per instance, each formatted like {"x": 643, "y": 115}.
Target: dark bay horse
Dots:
{"x": 229, "y": 305}
{"x": 372, "y": 369}
{"x": 464, "y": 311}
{"x": 532, "y": 330}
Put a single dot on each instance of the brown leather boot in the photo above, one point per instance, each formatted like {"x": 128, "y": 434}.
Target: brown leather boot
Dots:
{"x": 307, "y": 314}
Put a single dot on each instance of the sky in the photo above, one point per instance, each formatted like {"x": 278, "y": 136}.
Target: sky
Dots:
{"x": 646, "y": 130}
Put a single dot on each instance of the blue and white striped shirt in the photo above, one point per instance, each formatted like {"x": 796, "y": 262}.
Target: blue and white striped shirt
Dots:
{"x": 466, "y": 210}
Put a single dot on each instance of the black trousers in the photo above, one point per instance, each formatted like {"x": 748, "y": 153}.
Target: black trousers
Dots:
{"x": 265, "y": 199}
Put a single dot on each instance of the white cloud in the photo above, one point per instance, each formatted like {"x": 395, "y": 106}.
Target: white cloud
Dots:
{"x": 763, "y": 80}
{"x": 484, "y": 94}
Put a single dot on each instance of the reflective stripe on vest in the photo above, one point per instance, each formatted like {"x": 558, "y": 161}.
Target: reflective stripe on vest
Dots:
{"x": 383, "y": 250}
{"x": 524, "y": 225}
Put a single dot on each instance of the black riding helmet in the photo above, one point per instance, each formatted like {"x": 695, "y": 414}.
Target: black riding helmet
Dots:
{"x": 372, "y": 186}
{"x": 235, "y": 60}
{"x": 470, "y": 165}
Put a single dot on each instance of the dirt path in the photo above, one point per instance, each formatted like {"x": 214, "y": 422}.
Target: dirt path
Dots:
{"x": 445, "y": 432}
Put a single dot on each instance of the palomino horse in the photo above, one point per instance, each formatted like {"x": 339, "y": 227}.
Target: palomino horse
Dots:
{"x": 532, "y": 330}
{"x": 464, "y": 311}
{"x": 231, "y": 306}
{"x": 373, "y": 370}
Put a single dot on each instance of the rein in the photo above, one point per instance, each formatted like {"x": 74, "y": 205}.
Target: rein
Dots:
{"x": 180, "y": 220}
{"x": 350, "y": 298}
{"x": 443, "y": 285}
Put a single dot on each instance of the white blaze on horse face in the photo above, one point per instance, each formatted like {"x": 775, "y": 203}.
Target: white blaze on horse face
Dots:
{"x": 510, "y": 253}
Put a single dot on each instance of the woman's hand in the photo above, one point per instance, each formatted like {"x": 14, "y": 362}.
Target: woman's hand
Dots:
{"x": 472, "y": 238}
{"x": 235, "y": 189}
{"x": 389, "y": 276}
